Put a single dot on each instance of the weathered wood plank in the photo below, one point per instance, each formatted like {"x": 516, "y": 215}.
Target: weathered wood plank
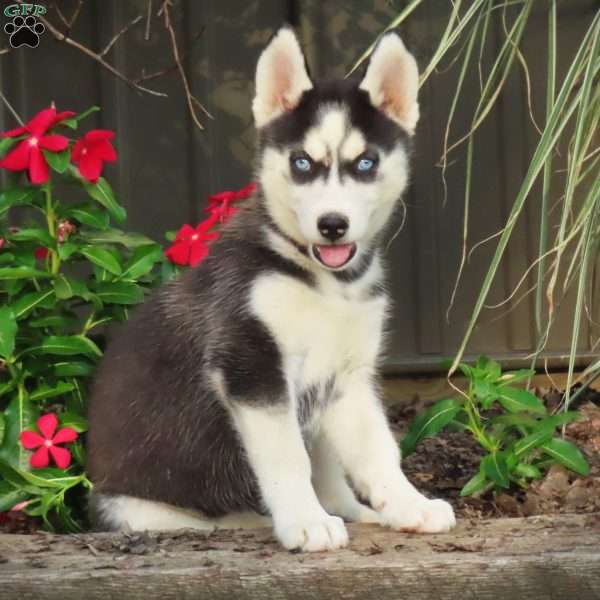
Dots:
{"x": 535, "y": 558}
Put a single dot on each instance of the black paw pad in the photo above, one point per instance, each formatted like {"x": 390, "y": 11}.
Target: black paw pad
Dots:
{"x": 24, "y": 32}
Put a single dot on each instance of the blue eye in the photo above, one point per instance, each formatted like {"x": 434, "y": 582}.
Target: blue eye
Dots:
{"x": 302, "y": 164}
{"x": 365, "y": 164}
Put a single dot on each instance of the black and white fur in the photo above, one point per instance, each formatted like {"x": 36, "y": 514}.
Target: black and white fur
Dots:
{"x": 244, "y": 393}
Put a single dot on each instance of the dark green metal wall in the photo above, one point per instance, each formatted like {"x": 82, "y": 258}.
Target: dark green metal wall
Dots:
{"x": 167, "y": 167}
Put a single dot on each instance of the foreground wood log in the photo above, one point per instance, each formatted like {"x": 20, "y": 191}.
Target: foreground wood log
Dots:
{"x": 512, "y": 559}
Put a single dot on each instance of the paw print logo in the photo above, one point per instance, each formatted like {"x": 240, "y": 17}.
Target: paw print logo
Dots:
{"x": 24, "y": 31}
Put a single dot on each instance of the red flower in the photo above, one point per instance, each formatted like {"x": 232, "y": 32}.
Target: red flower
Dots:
{"x": 27, "y": 154}
{"x": 47, "y": 445}
{"x": 92, "y": 151}
{"x": 41, "y": 253}
{"x": 2, "y": 242}
{"x": 221, "y": 204}
{"x": 190, "y": 246}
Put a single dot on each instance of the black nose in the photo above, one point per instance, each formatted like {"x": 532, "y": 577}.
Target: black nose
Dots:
{"x": 333, "y": 226}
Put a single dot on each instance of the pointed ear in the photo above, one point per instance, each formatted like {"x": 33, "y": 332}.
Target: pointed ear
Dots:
{"x": 392, "y": 82}
{"x": 281, "y": 78}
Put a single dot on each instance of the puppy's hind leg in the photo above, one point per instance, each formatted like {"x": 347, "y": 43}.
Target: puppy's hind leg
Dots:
{"x": 119, "y": 512}
{"x": 334, "y": 492}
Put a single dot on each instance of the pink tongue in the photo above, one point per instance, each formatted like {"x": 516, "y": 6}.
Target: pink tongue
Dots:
{"x": 335, "y": 256}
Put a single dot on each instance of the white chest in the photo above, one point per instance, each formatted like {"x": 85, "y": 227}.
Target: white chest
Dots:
{"x": 321, "y": 333}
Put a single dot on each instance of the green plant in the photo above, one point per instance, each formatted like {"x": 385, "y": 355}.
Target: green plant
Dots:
{"x": 511, "y": 424}
{"x": 65, "y": 274}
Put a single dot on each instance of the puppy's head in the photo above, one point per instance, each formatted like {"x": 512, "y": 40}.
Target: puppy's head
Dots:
{"x": 333, "y": 158}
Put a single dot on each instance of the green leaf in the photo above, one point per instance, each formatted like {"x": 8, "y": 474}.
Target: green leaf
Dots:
{"x": 103, "y": 258}
{"x": 10, "y": 496}
{"x": 66, "y": 346}
{"x": 486, "y": 392}
{"x": 168, "y": 271}
{"x": 467, "y": 371}
{"x": 490, "y": 367}
{"x": 73, "y": 122}
{"x": 88, "y": 216}
{"x": 518, "y": 400}
{"x": 2, "y": 423}
{"x": 5, "y": 145}
{"x": 7, "y": 258}
{"x": 516, "y": 420}
{"x": 66, "y": 250}
{"x": 559, "y": 419}
{"x": 44, "y": 391}
{"x": 17, "y": 197}
{"x": 21, "y": 414}
{"x": 53, "y": 321}
{"x": 50, "y": 477}
{"x": 67, "y": 287}
{"x": 143, "y": 260}
{"x": 528, "y": 471}
{"x": 495, "y": 468}
{"x": 102, "y": 193}
{"x": 532, "y": 441}
{"x": 121, "y": 292}
{"x": 429, "y": 423}
{"x": 25, "y": 304}
{"x": 58, "y": 161}
{"x": 116, "y": 236}
{"x": 567, "y": 454}
{"x": 8, "y": 331}
{"x": 21, "y": 273}
{"x": 33, "y": 234}
{"x": 74, "y": 421}
{"x": 477, "y": 483}
{"x": 77, "y": 368}
{"x": 5, "y": 388}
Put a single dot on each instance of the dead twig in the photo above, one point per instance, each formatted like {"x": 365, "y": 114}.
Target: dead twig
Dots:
{"x": 61, "y": 37}
{"x": 8, "y": 105}
{"x": 119, "y": 34}
{"x": 148, "y": 18}
{"x": 192, "y": 101}
{"x": 171, "y": 68}
{"x": 74, "y": 16}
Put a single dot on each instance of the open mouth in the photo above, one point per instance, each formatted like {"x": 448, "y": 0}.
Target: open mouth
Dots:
{"x": 334, "y": 256}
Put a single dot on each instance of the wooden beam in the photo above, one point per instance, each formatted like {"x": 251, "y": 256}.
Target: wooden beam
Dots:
{"x": 503, "y": 559}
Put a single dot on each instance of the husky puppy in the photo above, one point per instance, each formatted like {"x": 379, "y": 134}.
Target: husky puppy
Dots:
{"x": 244, "y": 393}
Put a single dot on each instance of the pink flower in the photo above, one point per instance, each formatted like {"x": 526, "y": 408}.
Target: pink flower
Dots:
{"x": 92, "y": 151}
{"x": 46, "y": 443}
{"x": 27, "y": 154}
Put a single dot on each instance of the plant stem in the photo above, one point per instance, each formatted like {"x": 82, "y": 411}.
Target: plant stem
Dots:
{"x": 51, "y": 221}
{"x": 475, "y": 422}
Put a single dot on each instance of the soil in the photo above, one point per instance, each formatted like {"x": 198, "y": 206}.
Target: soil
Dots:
{"x": 441, "y": 466}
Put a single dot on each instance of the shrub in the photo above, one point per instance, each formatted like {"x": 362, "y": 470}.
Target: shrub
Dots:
{"x": 66, "y": 273}
{"x": 511, "y": 424}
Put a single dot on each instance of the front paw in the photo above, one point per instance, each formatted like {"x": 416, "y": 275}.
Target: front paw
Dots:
{"x": 418, "y": 514}
{"x": 313, "y": 534}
